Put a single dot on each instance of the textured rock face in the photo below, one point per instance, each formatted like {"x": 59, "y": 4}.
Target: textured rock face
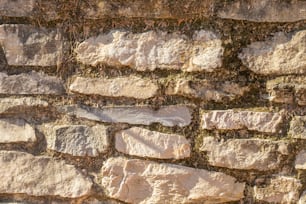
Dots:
{"x": 139, "y": 181}
{"x": 40, "y": 176}
{"x": 145, "y": 143}
{"x": 264, "y": 10}
{"x": 151, "y": 50}
{"x": 147, "y": 9}
{"x": 30, "y": 83}
{"x": 16, "y": 130}
{"x": 300, "y": 161}
{"x": 298, "y": 127}
{"x": 78, "y": 140}
{"x": 206, "y": 90}
{"x": 167, "y": 115}
{"x": 235, "y": 120}
{"x": 281, "y": 190}
{"x": 302, "y": 198}
{"x": 255, "y": 154}
{"x": 16, "y": 8}
{"x": 16, "y": 105}
{"x": 130, "y": 86}
{"x": 31, "y": 46}
{"x": 283, "y": 54}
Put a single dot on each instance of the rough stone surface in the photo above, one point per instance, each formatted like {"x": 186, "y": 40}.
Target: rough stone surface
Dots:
{"x": 300, "y": 161}
{"x": 167, "y": 115}
{"x": 31, "y": 46}
{"x": 235, "y": 119}
{"x": 283, "y": 54}
{"x": 264, "y": 10}
{"x": 16, "y": 105}
{"x": 40, "y": 176}
{"x": 206, "y": 90}
{"x": 30, "y": 83}
{"x": 298, "y": 127}
{"x": 302, "y": 198}
{"x": 95, "y": 9}
{"x": 280, "y": 190}
{"x": 287, "y": 90}
{"x": 131, "y": 86}
{"x": 139, "y": 181}
{"x": 151, "y": 50}
{"x": 256, "y": 154}
{"x": 78, "y": 140}
{"x": 17, "y": 130}
{"x": 145, "y": 143}
{"x": 16, "y": 8}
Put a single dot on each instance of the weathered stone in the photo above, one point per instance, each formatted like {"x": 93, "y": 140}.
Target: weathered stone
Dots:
{"x": 96, "y": 9}
{"x": 17, "y": 130}
{"x": 151, "y": 50}
{"x": 280, "y": 190}
{"x": 96, "y": 201}
{"x": 130, "y": 86}
{"x": 167, "y": 115}
{"x": 145, "y": 143}
{"x": 206, "y": 90}
{"x": 40, "y": 176}
{"x": 287, "y": 89}
{"x": 283, "y": 54}
{"x": 16, "y": 8}
{"x": 15, "y": 105}
{"x": 78, "y": 140}
{"x": 32, "y": 46}
{"x": 30, "y": 83}
{"x": 235, "y": 119}
{"x": 256, "y": 154}
{"x": 298, "y": 127}
{"x": 302, "y": 198}
{"x": 300, "y": 161}
{"x": 140, "y": 181}
{"x": 264, "y": 10}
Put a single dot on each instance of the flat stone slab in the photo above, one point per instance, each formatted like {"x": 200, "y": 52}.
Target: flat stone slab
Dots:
{"x": 145, "y": 143}
{"x": 78, "y": 140}
{"x": 140, "y": 181}
{"x": 298, "y": 127}
{"x": 23, "y": 173}
{"x": 172, "y": 115}
{"x": 16, "y": 105}
{"x": 245, "y": 154}
{"x": 281, "y": 55}
{"x": 16, "y": 8}
{"x": 130, "y": 86}
{"x": 30, "y": 83}
{"x": 32, "y": 46}
{"x": 205, "y": 89}
{"x": 264, "y": 10}
{"x": 300, "y": 160}
{"x": 151, "y": 50}
{"x": 281, "y": 189}
{"x": 268, "y": 122}
{"x": 16, "y": 130}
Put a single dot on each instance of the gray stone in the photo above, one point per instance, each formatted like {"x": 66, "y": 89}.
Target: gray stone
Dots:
{"x": 298, "y": 127}
{"x": 281, "y": 189}
{"x": 264, "y": 10}
{"x": 140, "y": 181}
{"x": 30, "y": 83}
{"x": 23, "y": 173}
{"x": 151, "y": 50}
{"x": 31, "y": 46}
{"x": 130, "y": 86}
{"x": 16, "y": 8}
{"x": 302, "y": 198}
{"x": 78, "y": 140}
{"x": 16, "y": 130}
{"x": 173, "y": 115}
{"x": 145, "y": 143}
{"x": 300, "y": 161}
{"x": 16, "y": 105}
{"x": 281, "y": 55}
{"x": 242, "y": 119}
{"x": 206, "y": 90}
{"x": 246, "y": 154}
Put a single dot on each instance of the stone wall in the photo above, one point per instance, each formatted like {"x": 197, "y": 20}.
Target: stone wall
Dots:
{"x": 155, "y": 101}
